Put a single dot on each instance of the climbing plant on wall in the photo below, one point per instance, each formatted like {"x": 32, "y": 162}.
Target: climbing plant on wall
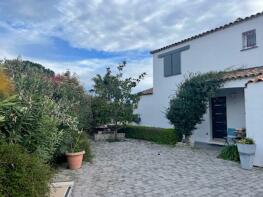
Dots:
{"x": 190, "y": 102}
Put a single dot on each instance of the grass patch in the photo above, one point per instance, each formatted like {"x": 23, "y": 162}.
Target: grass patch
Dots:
{"x": 153, "y": 134}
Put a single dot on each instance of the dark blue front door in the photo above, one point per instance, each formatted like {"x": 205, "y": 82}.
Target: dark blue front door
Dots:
{"x": 219, "y": 120}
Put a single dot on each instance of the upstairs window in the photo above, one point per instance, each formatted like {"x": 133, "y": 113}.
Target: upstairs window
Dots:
{"x": 249, "y": 39}
{"x": 172, "y": 64}
{"x": 172, "y": 61}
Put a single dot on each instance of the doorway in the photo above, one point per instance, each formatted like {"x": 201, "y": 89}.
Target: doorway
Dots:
{"x": 219, "y": 118}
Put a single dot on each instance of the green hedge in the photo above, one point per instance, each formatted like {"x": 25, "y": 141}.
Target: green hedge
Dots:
{"x": 153, "y": 134}
{"x": 22, "y": 174}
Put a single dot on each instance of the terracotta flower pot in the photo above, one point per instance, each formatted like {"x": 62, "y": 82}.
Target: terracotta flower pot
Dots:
{"x": 75, "y": 160}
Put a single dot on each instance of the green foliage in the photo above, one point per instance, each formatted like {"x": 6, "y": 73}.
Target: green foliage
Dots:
{"x": 46, "y": 139}
{"x": 153, "y": 134}
{"x": 30, "y": 79}
{"x": 114, "y": 102}
{"x": 100, "y": 111}
{"x": 22, "y": 174}
{"x": 34, "y": 126}
{"x": 17, "y": 67}
{"x": 18, "y": 120}
{"x": 229, "y": 152}
{"x": 74, "y": 142}
{"x": 46, "y": 113}
{"x": 246, "y": 140}
{"x": 6, "y": 85}
{"x": 48, "y": 109}
{"x": 190, "y": 103}
{"x": 70, "y": 94}
{"x": 84, "y": 144}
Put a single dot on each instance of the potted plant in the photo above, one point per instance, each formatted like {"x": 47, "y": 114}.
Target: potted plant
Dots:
{"x": 246, "y": 148}
{"x": 75, "y": 153}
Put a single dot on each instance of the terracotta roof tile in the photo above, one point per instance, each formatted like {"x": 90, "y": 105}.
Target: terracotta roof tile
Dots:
{"x": 256, "y": 72}
{"x": 146, "y": 92}
{"x": 255, "y": 80}
{"x": 239, "y": 20}
{"x": 244, "y": 73}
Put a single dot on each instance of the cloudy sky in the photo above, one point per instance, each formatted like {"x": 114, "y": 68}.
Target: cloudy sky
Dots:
{"x": 86, "y": 36}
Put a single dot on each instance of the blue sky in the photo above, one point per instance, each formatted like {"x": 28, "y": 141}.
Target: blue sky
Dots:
{"x": 87, "y": 36}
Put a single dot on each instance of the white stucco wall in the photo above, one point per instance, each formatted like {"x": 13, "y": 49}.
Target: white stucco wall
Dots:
{"x": 149, "y": 112}
{"x": 254, "y": 118}
{"x": 235, "y": 106}
{"x": 217, "y": 51}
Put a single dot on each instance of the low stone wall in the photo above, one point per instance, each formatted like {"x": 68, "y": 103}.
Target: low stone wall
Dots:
{"x": 108, "y": 136}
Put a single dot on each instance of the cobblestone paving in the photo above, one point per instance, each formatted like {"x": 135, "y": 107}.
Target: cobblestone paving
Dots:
{"x": 138, "y": 168}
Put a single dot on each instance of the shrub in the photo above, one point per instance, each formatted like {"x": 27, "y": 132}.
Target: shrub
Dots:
{"x": 116, "y": 101}
{"x": 46, "y": 139}
{"x": 48, "y": 108}
{"x": 246, "y": 140}
{"x": 17, "y": 120}
{"x": 31, "y": 125}
{"x": 6, "y": 86}
{"x": 187, "y": 108}
{"x": 229, "y": 152}
{"x": 153, "y": 134}
{"x": 85, "y": 145}
{"x": 22, "y": 174}
{"x": 70, "y": 93}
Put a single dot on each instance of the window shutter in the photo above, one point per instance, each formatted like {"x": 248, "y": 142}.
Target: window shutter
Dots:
{"x": 176, "y": 62}
{"x": 249, "y": 38}
{"x": 253, "y": 39}
{"x": 168, "y": 65}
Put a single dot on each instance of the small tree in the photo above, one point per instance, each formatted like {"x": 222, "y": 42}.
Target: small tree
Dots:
{"x": 191, "y": 100}
{"x": 114, "y": 102}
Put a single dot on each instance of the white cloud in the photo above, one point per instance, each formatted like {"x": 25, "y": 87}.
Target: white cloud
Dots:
{"x": 86, "y": 69}
{"x": 116, "y": 25}
{"x": 112, "y": 26}
{"x": 122, "y": 25}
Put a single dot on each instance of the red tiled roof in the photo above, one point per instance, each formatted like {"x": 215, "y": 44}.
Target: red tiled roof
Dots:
{"x": 244, "y": 73}
{"x": 239, "y": 20}
{"x": 255, "y": 80}
{"x": 146, "y": 92}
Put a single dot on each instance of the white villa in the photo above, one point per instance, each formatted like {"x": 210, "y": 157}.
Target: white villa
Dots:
{"x": 239, "y": 104}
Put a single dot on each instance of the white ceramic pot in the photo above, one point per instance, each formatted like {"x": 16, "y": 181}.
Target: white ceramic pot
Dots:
{"x": 246, "y": 154}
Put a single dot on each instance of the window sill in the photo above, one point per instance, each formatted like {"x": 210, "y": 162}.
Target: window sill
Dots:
{"x": 245, "y": 49}
{"x": 172, "y": 75}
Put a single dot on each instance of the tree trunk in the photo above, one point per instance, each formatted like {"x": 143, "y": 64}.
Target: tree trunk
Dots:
{"x": 116, "y": 132}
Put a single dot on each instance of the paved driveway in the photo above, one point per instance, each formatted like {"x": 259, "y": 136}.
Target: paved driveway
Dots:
{"x": 138, "y": 168}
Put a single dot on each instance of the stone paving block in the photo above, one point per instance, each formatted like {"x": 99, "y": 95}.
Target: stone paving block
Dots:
{"x": 138, "y": 168}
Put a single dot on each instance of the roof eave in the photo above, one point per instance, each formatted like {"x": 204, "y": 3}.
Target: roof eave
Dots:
{"x": 240, "y": 20}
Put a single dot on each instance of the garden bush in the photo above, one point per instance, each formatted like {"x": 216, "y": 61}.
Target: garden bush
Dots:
{"x": 22, "y": 174}
{"x": 153, "y": 134}
{"x": 46, "y": 110}
{"x": 85, "y": 145}
{"x": 229, "y": 152}
{"x": 190, "y": 103}
{"x": 31, "y": 125}
{"x": 6, "y": 86}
